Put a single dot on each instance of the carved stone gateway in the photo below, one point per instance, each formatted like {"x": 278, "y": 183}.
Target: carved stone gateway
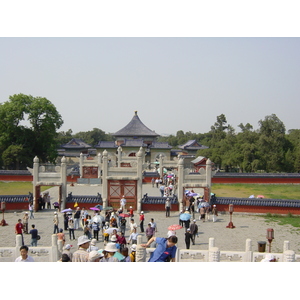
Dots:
{"x": 56, "y": 176}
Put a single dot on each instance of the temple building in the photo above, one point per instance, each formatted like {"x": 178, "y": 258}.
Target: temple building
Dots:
{"x": 129, "y": 140}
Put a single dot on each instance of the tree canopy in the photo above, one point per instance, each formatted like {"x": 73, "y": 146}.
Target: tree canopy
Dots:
{"x": 19, "y": 143}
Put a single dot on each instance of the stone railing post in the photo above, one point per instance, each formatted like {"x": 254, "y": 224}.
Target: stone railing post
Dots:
{"x": 211, "y": 243}
{"x": 140, "y": 251}
{"x": 60, "y": 245}
{"x": 214, "y": 254}
{"x": 249, "y": 252}
{"x": 289, "y": 256}
{"x": 286, "y": 246}
{"x": 54, "y": 249}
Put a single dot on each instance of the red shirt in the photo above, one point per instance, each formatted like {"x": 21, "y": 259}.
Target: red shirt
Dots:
{"x": 142, "y": 217}
{"x": 18, "y": 228}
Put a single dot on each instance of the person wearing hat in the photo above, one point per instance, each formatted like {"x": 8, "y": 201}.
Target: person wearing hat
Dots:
{"x": 55, "y": 222}
{"x": 214, "y": 213}
{"x": 67, "y": 250}
{"x": 94, "y": 256}
{"x": 25, "y": 222}
{"x": 81, "y": 255}
{"x": 93, "y": 246}
{"x": 131, "y": 212}
{"x": 132, "y": 253}
{"x": 110, "y": 250}
{"x": 142, "y": 219}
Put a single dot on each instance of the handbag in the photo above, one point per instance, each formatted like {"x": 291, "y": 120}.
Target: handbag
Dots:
{"x": 38, "y": 237}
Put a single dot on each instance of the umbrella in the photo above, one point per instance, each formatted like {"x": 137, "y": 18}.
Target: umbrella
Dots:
{"x": 99, "y": 206}
{"x": 203, "y": 204}
{"x": 119, "y": 256}
{"x": 185, "y": 217}
{"x": 97, "y": 219}
{"x": 108, "y": 208}
{"x": 192, "y": 194}
{"x": 94, "y": 208}
{"x": 124, "y": 215}
{"x": 111, "y": 229}
{"x": 174, "y": 227}
{"x": 67, "y": 210}
{"x": 260, "y": 196}
{"x": 252, "y": 196}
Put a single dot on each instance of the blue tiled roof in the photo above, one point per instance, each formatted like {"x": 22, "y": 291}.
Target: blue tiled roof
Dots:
{"x": 135, "y": 128}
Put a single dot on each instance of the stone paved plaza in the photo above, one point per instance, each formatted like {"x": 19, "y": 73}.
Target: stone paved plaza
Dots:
{"x": 246, "y": 226}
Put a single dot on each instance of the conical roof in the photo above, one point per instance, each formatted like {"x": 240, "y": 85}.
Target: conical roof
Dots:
{"x": 135, "y": 128}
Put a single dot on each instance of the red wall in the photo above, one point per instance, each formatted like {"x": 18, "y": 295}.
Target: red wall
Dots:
{"x": 254, "y": 180}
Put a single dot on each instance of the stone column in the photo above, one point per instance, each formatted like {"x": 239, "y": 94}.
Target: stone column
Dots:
{"x": 104, "y": 178}
{"x": 180, "y": 183}
{"x": 81, "y": 165}
{"x": 161, "y": 166}
{"x": 35, "y": 180}
{"x": 208, "y": 177}
{"x": 63, "y": 171}
{"x": 119, "y": 157}
{"x": 214, "y": 254}
{"x": 140, "y": 179}
{"x": 99, "y": 166}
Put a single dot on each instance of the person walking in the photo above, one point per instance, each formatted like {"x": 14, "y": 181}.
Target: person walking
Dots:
{"x": 194, "y": 231}
{"x": 142, "y": 219}
{"x": 149, "y": 231}
{"x": 19, "y": 230}
{"x": 168, "y": 207}
{"x": 214, "y": 213}
{"x": 61, "y": 236}
{"x": 34, "y": 236}
{"x": 123, "y": 203}
{"x": 133, "y": 237}
{"x": 55, "y": 222}
{"x": 71, "y": 229}
{"x": 202, "y": 213}
{"x": 188, "y": 238}
{"x": 96, "y": 229}
{"x": 25, "y": 222}
{"x": 30, "y": 207}
{"x": 123, "y": 225}
{"x": 76, "y": 218}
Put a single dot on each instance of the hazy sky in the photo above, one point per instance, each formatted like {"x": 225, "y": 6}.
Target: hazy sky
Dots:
{"x": 173, "y": 83}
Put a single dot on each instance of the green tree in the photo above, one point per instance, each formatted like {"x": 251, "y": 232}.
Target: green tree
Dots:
{"x": 38, "y": 137}
{"x": 272, "y": 144}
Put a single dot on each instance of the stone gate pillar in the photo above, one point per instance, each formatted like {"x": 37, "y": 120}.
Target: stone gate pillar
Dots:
{"x": 63, "y": 170}
{"x": 208, "y": 178}
{"x": 81, "y": 165}
{"x": 35, "y": 174}
{"x": 104, "y": 178}
{"x": 140, "y": 179}
{"x": 180, "y": 183}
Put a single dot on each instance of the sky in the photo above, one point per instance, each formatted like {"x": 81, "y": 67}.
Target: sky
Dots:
{"x": 175, "y": 82}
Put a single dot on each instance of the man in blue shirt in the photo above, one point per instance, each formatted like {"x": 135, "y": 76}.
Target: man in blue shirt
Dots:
{"x": 34, "y": 236}
{"x": 165, "y": 249}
